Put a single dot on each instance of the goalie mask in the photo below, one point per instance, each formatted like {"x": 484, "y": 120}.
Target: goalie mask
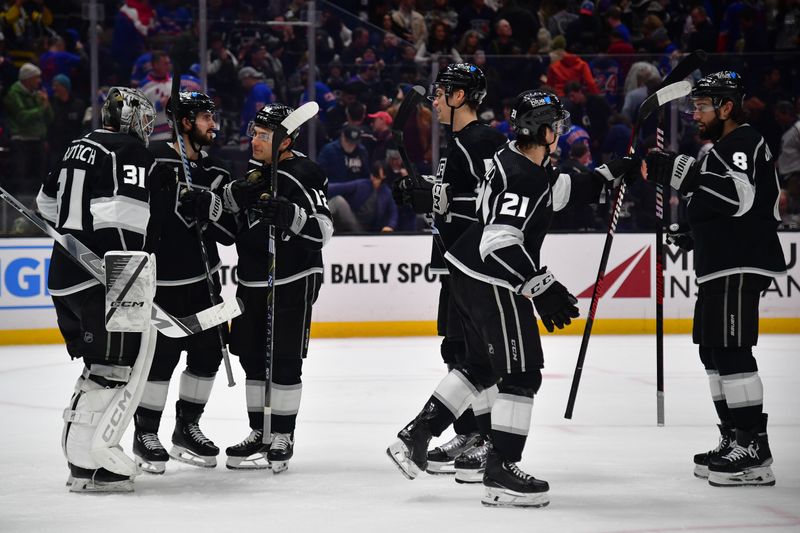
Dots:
{"x": 270, "y": 117}
{"x": 535, "y": 109}
{"x": 464, "y": 76}
{"x": 129, "y": 111}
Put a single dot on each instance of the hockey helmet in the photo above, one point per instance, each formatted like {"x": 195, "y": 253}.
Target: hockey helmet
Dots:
{"x": 270, "y": 117}
{"x": 129, "y": 111}
{"x": 534, "y": 109}
{"x": 190, "y": 103}
{"x": 464, "y": 76}
{"x": 720, "y": 86}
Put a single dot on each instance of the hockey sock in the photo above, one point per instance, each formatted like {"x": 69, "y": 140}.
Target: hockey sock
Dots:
{"x": 154, "y": 398}
{"x": 465, "y": 424}
{"x": 483, "y": 409}
{"x": 285, "y": 405}
{"x": 511, "y": 413}
{"x": 254, "y": 393}
{"x": 718, "y": 396}
{"x": 455, "y": 393}
{"x": 744, "y": 394}
{"x": 194, "y": 392}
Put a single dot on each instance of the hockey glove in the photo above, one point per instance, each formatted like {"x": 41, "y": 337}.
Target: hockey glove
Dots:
{"x": 199, "y": 204}
{"x": 617, "y": 170}
{"x": 424, "y": 195}
{"x": 555, "y": 305}
{"x": 675, "y": 170}
{"x": 680, "y": 236}
{"x": 282, "y": 213}
{"x": 241, "y": 194}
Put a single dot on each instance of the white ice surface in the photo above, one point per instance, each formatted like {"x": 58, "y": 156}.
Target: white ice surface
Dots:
{"x": 610, "y": 468}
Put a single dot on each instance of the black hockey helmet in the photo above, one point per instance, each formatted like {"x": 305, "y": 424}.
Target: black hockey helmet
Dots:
{"x": 534, "y": 109}
{"x": 464, "y": 76}
{"x": 720, "y": 86}
{"x": 190, "y": 103}
{"x": 270, "y": 117}
{"x": 129, "y": 111}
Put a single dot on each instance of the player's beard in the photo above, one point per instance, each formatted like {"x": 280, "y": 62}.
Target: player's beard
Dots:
{"x": 712, "y": 131}
{"x": 201, "y": 140}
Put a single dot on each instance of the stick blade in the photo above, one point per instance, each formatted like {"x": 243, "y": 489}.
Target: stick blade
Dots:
{"x": 300, "y": 116}
{"x": 408, "y": 105}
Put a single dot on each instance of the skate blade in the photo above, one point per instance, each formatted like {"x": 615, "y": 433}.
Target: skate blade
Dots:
{"x": 496, "y": 497}
{"x": 436, "y": 468}
{"x": 151, "y": 467}
{"x": 279, "y": 466}
{"x": 100, "y": 487}
{"x": 398, "y": 453}
{"x": 701, "y": 471}
{"x": 761, "y": 476}
{"x": 179, "y": 453}
{"x": 257, "y": 461}
{"x": 469, "y": 476}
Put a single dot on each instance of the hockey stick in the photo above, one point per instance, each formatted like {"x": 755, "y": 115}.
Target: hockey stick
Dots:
{"x": 168, "y": 325}
{"x": 407, "y": 106}
{"x": 660, "y": 252}
{"x": 288, "y": 126}
{"x": 187, "y": 174}
{"x": 664, "y": 94}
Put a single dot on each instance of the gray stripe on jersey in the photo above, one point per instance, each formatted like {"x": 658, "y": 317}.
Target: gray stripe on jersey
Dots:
{"x": 469, "y": 160}
{"x": 503, "y": 328}
{"x": 519, "y": 332}
{"x": 120, "y": 212}
{"x": 562, "y": 189}
{"x": 302, "y": 188}
{"x": 497, "y": 236}
{"x": 48, "y": 206}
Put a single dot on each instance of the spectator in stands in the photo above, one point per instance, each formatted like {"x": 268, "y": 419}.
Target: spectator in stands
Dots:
{"x": 620, "y": 50}
{"x": 133, "y": 23}
{"x": 590, "y": 111}
{"x": 567, "y": 67}
{"x": 558, "y": 23}
{"x": 575, "y": 135}
{"x": 174, "y": 18}
{"x": 28, "y": 113}
{"x": 345, "y": 159}
{"x": 614, "y": 20}
{"x": 439, "y": 43}
{"x": 476, "y": 16}
{"x": 58, "y": 61}
{"x": 324, "y": 95}
{"x": 157, "y": 86}
{"x": 411, "y": 22}
{"x": 522, "y": 17}
{"x": 583, "y": 35}
{"x": 25, "y": 23}
{"x": 68, "y": 114}
{"x": 666, "y": 48}
{"x": 363, "y": 204}
{"x": 615, "y": 143}
{"x": 223, "y": 67}
{"x": 789, "y": 155}
{"x": 703, "y": 35}
{"x": 258, "y": 94}
{"x": 442, "y": 11}
{"x": 635, "y": 78}
{"x": 648, "y": 82}
{"x": 272, "y": 69}
{"x": 469, "y": 44}
{"x": 382, "y": 133}
{"x": 359, "y": 43}
{"x": 8, "y": 72}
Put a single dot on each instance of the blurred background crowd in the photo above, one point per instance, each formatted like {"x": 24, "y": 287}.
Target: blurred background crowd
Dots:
{"x": 602, "y": 57}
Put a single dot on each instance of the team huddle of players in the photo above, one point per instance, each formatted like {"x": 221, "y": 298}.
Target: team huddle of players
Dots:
{"x": 491, "y": 204}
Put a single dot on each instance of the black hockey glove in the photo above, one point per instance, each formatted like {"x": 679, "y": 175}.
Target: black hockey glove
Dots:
{"x": 616, "y": 171}
{"x": 424, "y": 195}
{"x": 199, "y": 204}
{"x": 680, "y": 236}
{"x": 282, "y": 213}
{"x": 555, "y": 305}
{"x": 673, "y": 170}
{"x": 243, "y": 193}
{"x": 163, "y": 179}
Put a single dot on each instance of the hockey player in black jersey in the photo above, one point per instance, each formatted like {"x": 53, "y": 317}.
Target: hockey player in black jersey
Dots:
{"x": 450, "y": 198}
{"x": 732, "y": 196}
{"x": 303, "y": 222}
{"x": 496, "y": 272}
{"x": 182, "y": 286}
{"x": 100, "y": 193}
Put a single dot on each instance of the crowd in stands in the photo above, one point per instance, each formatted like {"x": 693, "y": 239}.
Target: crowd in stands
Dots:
{"x": 602, "y": 57}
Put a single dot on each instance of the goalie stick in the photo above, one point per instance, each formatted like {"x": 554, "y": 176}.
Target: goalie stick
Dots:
{"x": 665, "y": 93}
{"x": 288, "y": 126}
{"x": 167, "y": 324}
{"x": 187, "y": 174}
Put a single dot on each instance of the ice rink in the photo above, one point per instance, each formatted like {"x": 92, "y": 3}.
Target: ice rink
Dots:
{"x": 610, "y": 469}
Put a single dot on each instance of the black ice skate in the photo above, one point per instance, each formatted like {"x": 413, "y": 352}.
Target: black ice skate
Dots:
{"x": 100, "y": 480}
{"x": 508, "y": 486}
{"x": 410, "y": 452}
{"x": 281, "y": 449}
{"x": 150, "y": 455}
{"x": 471, "y": 464}
{"x": 726, "y": 438}
{"x": 190, "y": 446}
{"x": 744, "y": 465}
{"x": 441, "y": 458}
{"x": 250, "y": 454}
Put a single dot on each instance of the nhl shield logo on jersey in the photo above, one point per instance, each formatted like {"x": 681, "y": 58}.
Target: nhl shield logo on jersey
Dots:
{"x": 88, "y": 337}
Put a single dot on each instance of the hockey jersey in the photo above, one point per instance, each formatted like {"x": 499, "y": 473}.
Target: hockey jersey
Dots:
{"x": 733, "y": 213}
{"x": 100, "y": 194}
{"x": 178, "y": 249}
{"x": 463, "y": 167}
{"x": 302, "y": 182}
{"x": 515, "y": 206}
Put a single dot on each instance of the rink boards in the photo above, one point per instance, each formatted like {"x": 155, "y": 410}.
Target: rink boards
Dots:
{"x": 382, "y": 286}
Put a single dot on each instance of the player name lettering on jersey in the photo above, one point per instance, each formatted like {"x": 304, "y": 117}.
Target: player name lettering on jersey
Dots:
{"x": 79, "y": 151}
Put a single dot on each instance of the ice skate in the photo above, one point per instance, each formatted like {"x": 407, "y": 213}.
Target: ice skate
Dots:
{"x": 508, "y": 486}
{"x": 281, "y": 449}
{"x": 441, "y": 458}
{"x": 150, "y": 455}
{"x": 250, "y": 454}
{"x": 471, "y": 464}
{"x": 742, "y": 466}
{"x": 726, "y": 438}
{"x": 190, "y": 446}
{"x": 410, "y": 452}
{"x": 100, "y": 480}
